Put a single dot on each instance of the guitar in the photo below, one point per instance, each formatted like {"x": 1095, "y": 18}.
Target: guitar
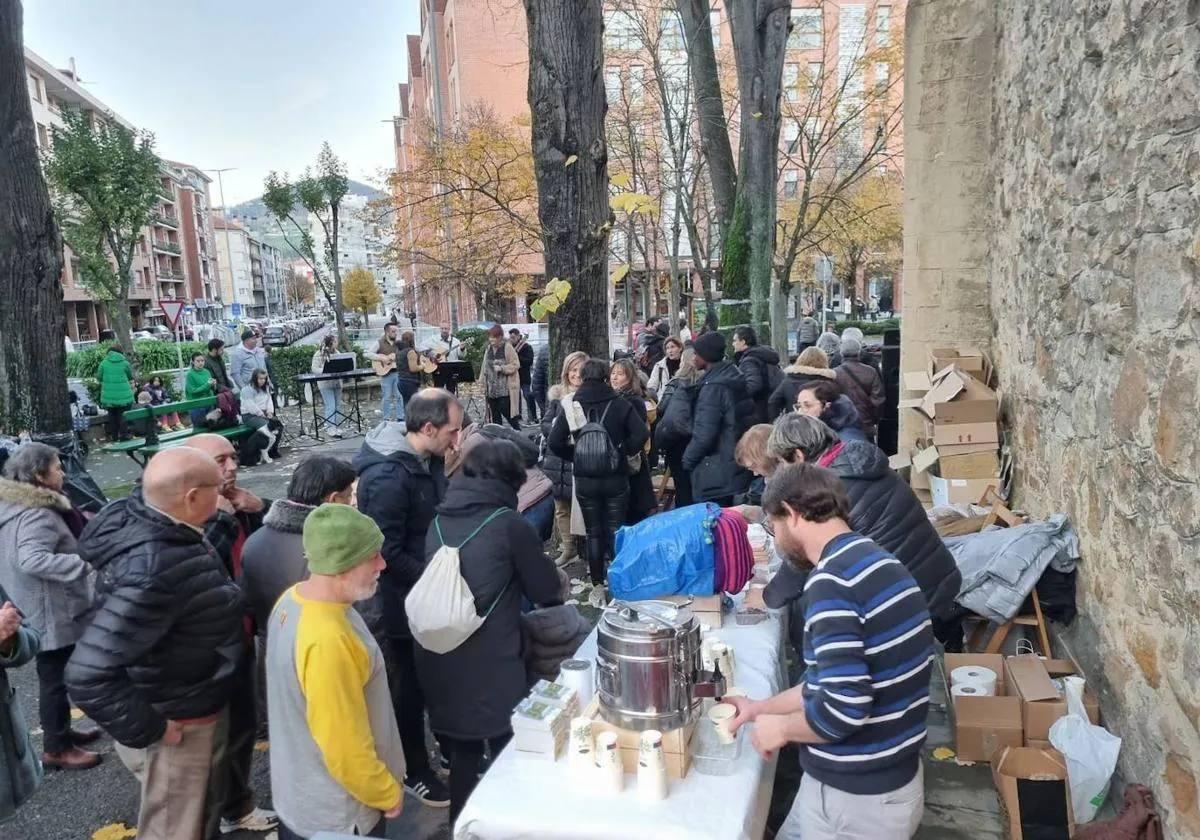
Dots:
{"x": 383, "y": 367}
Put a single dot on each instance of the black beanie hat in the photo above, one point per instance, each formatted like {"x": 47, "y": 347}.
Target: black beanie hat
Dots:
{"x": 710, "y": 347}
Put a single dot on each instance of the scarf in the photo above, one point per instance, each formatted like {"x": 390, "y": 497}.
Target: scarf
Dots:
{"x": 830, "y": 454}
{"x": 673, "y": 365}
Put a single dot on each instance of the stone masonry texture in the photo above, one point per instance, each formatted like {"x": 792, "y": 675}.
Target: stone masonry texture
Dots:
{"x": 1067, "y": 215}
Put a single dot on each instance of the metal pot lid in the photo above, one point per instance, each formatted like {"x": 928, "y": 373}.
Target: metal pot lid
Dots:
{"x": 651, "y": 619}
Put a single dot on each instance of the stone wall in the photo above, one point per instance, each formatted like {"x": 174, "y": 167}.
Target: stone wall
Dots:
{"x": 1089, "y": 214}
{"x": 1093, "y": 274}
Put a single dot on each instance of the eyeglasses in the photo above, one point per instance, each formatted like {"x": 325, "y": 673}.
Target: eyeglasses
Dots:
{"x": 768, "y": 526}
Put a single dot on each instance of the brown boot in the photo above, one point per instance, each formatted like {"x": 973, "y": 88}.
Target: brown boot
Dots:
{"x": 72, "y": 759}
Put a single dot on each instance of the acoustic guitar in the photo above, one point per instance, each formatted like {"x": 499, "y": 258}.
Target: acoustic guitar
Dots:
{"x": 383, "y": 367}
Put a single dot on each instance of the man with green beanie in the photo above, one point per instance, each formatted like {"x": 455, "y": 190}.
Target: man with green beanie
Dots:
{"x": 336, "y": 756}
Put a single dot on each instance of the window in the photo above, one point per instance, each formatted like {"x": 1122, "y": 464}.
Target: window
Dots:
{"x": 43, "y": 137}
{"x": 814, "y": 73}
{"x": 806, "y": 30}
{"x": 882, "y": 76}
{"x": 637, "y": 83}
{"x": 883, "y": 25}
{"x": 791, "y": 82}
{"x": 791, "y": 131}
{"x": 612, "y": 84}
{"x": 791, "y": 183}
{"x": 620, "y": 31}
{"x": 714, "y": 21}
{"x": 671, "y": 32}
{"x": 35, "y": 87}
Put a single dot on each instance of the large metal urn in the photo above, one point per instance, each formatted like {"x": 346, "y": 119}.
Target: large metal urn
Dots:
{"x": 648, "y": 670}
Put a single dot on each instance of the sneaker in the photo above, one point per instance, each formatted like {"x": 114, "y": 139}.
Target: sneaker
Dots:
{"x": 260, "y": 819}
{"x": 598, "y": 597}
{"x": 429, "y": 789}
{"x": 568, "y": 556}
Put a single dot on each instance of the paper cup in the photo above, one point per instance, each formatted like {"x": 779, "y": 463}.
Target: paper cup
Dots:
{"x": 577, "y": 674}
{"x": 721, "y": 715}
{"x": 581, "y": 752}
{"x": 608, "y": 762}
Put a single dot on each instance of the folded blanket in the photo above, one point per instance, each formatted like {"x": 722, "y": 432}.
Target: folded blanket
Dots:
{"x": 552, "y": 635}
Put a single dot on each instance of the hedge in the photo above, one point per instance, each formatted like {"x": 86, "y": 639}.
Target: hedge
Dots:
{"x": 288, "y": 362}
{"x": 147, "y": 355}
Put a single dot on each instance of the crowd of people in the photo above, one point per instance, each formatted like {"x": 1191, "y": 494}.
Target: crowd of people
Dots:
{"x": 192, "y": 617}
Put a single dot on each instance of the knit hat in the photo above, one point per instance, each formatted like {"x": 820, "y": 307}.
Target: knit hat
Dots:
{"x": 248, "y": 333}
{"x": 710, "y": 347}
{"x": 853, "y": 332}
{"x": 337, "y": 538}
{"x": 851, "y": 346}
{"x": 830, "y": 343}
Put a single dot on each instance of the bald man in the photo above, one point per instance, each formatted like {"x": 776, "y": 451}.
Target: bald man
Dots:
{"x": 155, "y": 668}
{"x": 239, "y": 514}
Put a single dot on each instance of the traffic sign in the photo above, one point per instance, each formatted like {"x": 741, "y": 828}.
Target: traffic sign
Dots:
{"x": 171, "y": 310}
{"x": 235, "y": 309}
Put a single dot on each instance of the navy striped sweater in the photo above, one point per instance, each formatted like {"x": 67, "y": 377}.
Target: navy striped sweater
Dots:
{"x": 868, "y": 647}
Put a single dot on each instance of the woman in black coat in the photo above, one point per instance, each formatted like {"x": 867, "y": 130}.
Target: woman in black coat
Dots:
{"x": 471, "y": 691}
{"x": 674, "y": 427}
{"x": 557, "y": 468}
{"x": 602, "y": 499}
{"x": 882, "y": 507}
{"x": 624, "y": 380}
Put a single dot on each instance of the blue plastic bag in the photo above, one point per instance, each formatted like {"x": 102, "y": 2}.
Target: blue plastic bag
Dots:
{"x": 670, "y": 553}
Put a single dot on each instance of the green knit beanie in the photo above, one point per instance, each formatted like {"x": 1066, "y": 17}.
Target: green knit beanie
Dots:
{"x": 337, "y": 538}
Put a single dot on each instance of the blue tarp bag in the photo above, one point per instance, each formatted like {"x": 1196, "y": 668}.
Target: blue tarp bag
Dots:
{"x": 670, "y": 553}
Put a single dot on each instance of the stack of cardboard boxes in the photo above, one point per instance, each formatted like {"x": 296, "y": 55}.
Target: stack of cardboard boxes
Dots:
{"x": 956, "y": 458}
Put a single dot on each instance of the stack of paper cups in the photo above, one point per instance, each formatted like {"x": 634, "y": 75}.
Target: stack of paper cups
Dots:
{"x": 608, "y": 762}
{"x": 577, "y": 674}
{"x": 581, "y": 747}
{"x": 975, "y": 676}
{"x": 652, "y": 767}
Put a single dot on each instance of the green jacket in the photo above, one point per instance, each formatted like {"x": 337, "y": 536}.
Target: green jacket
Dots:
{"x": 196, "y": 385}
{"x": 20, "y": 769}
{"x": 116, "y": 380}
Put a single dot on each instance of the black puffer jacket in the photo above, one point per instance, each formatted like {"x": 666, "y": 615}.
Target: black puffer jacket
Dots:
{"x": 556, "y": 467}
{"x": 166, "y": 637}
{"x": 783, "y": 398}
{"x": 722, "y": 413}
{"x": 756, "y": 365}
{"x": 472, "y": 690}
{"x": 675, "y": 413}
{"x": 400, "y": 493}
{"x": 885, "y": 509}
{"x": 626, "y": 428}
{"x": 540, "y": 383}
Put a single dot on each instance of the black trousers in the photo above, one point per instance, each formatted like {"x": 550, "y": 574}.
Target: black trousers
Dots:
{"x": 114, "y": 423}
{"x": 500, "y": 410}
{"x": 243, "y": 730}
{"x": 531, "y": 411}
{"x": 380, "y": 830}
{"x": 603, "y": 502}
{"x": 54, "y": 707}
{"x": 466, "y": 759}
{"x": 409, "y": 702}
{"x": 681, "y": 477}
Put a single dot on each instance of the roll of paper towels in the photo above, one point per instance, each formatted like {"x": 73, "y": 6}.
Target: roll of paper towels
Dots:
{"x": 975, "y": 675}
{"x": 969, "y": 690}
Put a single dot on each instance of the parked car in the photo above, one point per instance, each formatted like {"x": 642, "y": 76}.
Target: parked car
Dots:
{"x": 276, "y": 336}
{"x": 143, "y": 335}
{"x": 162, "y": 333}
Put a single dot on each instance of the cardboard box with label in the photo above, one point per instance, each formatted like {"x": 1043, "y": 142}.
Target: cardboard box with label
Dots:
{"x": 1035, "y": 801}
{"x": 972, "y": 361}
{"x": 1029, "y": 677}
{"x": 964, "y": 491}
{"x": 983, "y": 725}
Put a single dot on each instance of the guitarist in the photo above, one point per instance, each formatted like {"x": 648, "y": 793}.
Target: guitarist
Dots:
{"x": 389, "y": 380}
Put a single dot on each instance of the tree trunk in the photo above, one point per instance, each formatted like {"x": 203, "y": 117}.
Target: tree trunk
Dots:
{"x": 710, "y": 109}
{"x": 567, "y": 102}
{"x": 33, "y": 378}
{"x": 339, "y": 306}
{"x": 760, "y": 31}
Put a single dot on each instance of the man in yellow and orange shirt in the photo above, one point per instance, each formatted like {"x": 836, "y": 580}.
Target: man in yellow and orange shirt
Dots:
{"x": 336, "y": 757}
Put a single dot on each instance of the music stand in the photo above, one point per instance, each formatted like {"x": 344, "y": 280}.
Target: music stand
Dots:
{"x": 450, "y": 374}
{"x": 339, "y": 363}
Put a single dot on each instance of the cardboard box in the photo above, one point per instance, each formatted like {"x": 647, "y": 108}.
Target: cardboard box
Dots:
{"x": 957, "y": 398}
{"x": 676, "y": 751}
{"x": 1035, "y": 801}
{"x": 958, "y": 434}
{"x": 983, "y": 725}
{"x": 951, "y": 450}
{"x": 955, "y": 491}
{"x": 1041, "y": 704}
{"x": 917, "y": 381}
{"x": 971, "y": 360}
{"x": 973, "y": 465}
{"x": 707, "y": 608}
{"x": 678, "y": 764}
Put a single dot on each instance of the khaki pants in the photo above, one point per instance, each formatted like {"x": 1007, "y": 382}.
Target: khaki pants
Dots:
{"x": 181, "y": 795}
{"x": 562, "y": 523}
{"x": 821, "y": 812}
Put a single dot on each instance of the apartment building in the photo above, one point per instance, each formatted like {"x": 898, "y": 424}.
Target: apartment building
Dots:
{"x": 249, "y": 271}
{"x": 202, "y": 288}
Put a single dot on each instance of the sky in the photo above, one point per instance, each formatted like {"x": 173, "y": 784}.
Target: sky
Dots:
{"x": 254, "y": 85}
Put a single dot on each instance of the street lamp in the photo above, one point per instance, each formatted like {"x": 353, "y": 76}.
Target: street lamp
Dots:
{"x": 228, "y": 249}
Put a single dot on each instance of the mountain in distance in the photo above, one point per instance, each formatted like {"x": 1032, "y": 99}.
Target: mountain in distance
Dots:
{"x": 255, "y": 208}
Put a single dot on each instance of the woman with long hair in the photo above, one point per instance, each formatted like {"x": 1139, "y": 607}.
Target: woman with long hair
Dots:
{"x": 331, "y": 390}
{"x": 568, "y": 521}
{"x": 674, "y": 427}
{"x": 624, "y": 379}
{"x": 258, "y": 412}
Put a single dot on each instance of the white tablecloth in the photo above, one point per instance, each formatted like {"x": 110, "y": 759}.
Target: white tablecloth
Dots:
{"x": 521, "y": 797}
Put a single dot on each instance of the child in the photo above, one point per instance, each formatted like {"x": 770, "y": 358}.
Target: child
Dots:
{"x": 158, "y": 396}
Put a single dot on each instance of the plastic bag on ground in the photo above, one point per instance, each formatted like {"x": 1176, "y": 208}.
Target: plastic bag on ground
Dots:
{"x": 1091, "y": 753}
{"x": 670, "y": 553}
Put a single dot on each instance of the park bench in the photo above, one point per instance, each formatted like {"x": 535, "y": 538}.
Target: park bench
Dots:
{"x": 143, "y": 448}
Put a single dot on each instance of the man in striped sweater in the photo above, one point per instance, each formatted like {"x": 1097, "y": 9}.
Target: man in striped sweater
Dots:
{"x": 859, "y": 712}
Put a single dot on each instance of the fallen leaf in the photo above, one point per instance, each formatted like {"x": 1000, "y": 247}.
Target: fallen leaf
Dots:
{"x": 570, "y": 160}
{"x": 77, "y": 714}
{"x": 943, "y": 753}
{"x": 262, "y": 746}
{"x": 114, "y": 831}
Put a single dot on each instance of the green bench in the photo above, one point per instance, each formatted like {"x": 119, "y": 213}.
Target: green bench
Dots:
{"x": 143, "y": 448}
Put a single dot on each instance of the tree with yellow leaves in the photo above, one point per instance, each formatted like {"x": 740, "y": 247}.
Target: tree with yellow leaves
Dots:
{"x": 466, "y": 208}
{"x": 360, "y": 291}
{"x": 863, "y": 234}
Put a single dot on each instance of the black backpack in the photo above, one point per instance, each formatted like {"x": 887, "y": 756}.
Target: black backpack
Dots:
{"x": 596, "y": 456}
{"x": 775, "y": 377}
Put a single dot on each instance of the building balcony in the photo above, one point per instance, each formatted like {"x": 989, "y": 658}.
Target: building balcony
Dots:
{"x": 168, "y": 219}
{"x": 168, "y": 247}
